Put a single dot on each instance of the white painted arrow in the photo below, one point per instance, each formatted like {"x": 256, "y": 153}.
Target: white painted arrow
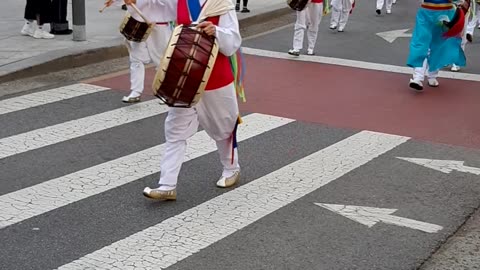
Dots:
{"x": 370, "y": 216}
{"x": 445, "y": 166}
{"x": 390, "y": 36}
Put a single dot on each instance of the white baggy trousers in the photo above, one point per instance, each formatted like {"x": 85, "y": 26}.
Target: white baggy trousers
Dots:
{"x": 307, "y": 20}
{"x": 340, "y": 13}
{"x": 217, "y": 113}
{"x": 380, "y": 4}
{"x": 142, "y": 53}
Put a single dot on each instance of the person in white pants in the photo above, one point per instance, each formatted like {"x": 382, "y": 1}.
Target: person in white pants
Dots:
{"x": 149, "y": 51}
{"x": 217, "y": 111}
{"x": 340, "y": 12}
{"x": 308, "y": 21}
{"x": 465, "y": 37}
{"x": 474, "y": 19}
{"x": 388, "y": 6}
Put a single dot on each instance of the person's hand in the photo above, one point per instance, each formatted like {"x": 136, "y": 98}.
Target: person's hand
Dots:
{"x": 208, "y": 27}
{"x": 109, "y": 3}
{"x": 129, "y": 2}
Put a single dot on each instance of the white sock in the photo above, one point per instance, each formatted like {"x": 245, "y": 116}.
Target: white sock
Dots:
{"x": 166, "y": 187}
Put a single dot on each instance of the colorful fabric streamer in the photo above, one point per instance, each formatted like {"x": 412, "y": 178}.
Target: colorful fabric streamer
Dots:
{"x": 326, "y": 7}
{"x": 238, "y": 69}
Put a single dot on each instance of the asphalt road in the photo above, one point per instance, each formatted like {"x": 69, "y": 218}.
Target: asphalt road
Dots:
{"x": 336, "y": 174}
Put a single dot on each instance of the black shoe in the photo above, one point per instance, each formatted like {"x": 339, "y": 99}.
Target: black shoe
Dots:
{"x": 237, "y": 7}
{"x": 62, "y": 32}
{"x": 378, "y": 11}
{"x": 469, "y": 38}
{"x": 124, "y": 7}
{"x": 245, "y": 10}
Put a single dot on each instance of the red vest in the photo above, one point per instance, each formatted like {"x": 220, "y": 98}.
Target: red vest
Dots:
{"x": 222, "y": 74}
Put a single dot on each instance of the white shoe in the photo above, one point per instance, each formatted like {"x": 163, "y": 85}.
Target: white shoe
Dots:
{"x": 333, "y": 26}
{"x": 340, "y": 29}
{"x": 225, "y": 182}
{"x": 417, "y": 85}
{"x": 28, "y": 29}
{"x": 40, "y": 33}
{"x": 389, "y": 12}
{"x": 294, "y": 52}
{"x": 455, "y": 68}
{"x": 432, "y": 82}
{"x": 310, "y": 52}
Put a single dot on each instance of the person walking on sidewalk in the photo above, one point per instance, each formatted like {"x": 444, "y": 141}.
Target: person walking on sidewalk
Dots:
{"x": 244, "y": 9}
{"x": 308, "y": 21}
{"x": 39, "y": 11}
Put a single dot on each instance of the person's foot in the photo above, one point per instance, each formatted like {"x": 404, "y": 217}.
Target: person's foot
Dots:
{"x": 310, "y": 52}
{"x": 469, "y": 37}
{"x": 432, "y": 82}
{"x": 333, "y": 26}
{"x": 41, "y": 34}
{"x": 237, "y": 7}
{"x": 124, "y": 7}
{"x": 245, "y": 10}
{"x": 378, "y": 11}
{"x": 340, "y": 29}
{"x": 159, "y": 194}
{"x": 63, "y": 32}
{"x": 416, "y": 85}
{"x": 389, "y": 11}
{"x": 225, "y": 182}
{"x": 294, "y": 52}
{"x": 132, "y": 98}
{"x": 455, "y": 68}
{"x": 28, "y": 29}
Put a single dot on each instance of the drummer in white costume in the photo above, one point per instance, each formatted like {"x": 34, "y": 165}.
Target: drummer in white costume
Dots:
{"x": 149, "y": 51}
{"x": 216, "y": 112}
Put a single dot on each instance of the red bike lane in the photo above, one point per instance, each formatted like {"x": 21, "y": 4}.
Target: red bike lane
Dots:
{"x": 354, "y": 98}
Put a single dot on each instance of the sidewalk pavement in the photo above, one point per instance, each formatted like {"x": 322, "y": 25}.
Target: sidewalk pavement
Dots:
{"x": 24, "y": 56}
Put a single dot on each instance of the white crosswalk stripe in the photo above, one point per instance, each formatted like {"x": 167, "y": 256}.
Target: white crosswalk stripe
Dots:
{"x": 176, "y": 238}
{"x": 69, "y": 130}
{"x": 48, "y": 96}
{"x": 49, "y": 195}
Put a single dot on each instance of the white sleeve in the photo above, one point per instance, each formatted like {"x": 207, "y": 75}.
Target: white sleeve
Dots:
{"x": 228, "y": 33}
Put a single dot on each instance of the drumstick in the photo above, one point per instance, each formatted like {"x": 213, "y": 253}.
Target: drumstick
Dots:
{"x": 104, "y": 7}
{"x": 140, "y": 13}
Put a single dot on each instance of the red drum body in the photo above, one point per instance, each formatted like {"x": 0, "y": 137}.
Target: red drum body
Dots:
{"x": 134, "y": 30}
{"x": 186, "y": 67}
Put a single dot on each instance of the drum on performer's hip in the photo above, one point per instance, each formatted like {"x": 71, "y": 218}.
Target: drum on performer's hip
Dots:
{"x": 134, "y": 30}
{"x": 297, "y": 5}
{"x": 186, "y": 67}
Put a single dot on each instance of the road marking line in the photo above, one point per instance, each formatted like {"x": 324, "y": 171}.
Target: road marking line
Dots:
{"x": 47, "y": 196}
{"x": 42, "y": 137}
{"x": 178, "y": 237}
{"x": 355, "y": 64}
{"x": 49, "y": 96}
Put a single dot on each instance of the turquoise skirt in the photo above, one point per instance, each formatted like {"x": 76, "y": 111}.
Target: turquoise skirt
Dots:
{"x": 428, "y": 42}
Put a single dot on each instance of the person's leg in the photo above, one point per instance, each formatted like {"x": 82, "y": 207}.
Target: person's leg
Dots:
{"x": 299, "y": 31}
{"x": 314, "y": 17}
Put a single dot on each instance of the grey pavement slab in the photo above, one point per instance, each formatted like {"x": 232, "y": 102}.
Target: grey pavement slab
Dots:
{"x": 19, "y": 52}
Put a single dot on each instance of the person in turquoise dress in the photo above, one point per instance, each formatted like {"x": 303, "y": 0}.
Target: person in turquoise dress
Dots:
{"x": 431, "y": 47}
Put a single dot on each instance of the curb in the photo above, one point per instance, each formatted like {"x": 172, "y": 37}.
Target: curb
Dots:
{"x": 55, "y": 61}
